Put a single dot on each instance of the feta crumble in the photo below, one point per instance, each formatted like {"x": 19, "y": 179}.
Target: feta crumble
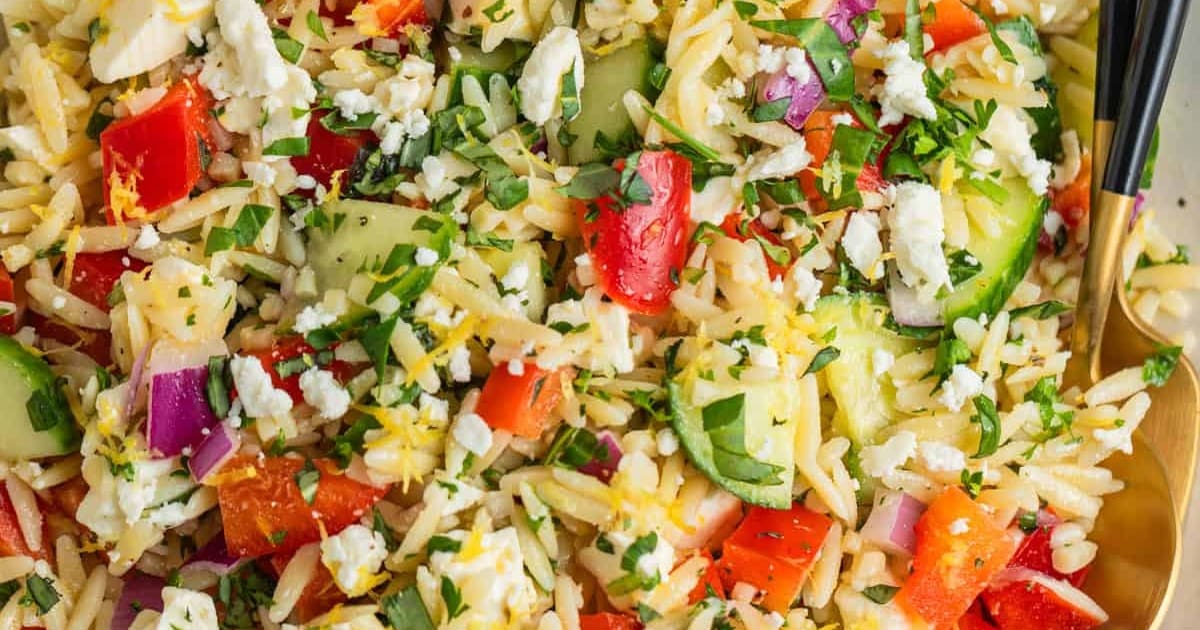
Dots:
{"x": 426, "y": 257}
{"x": 541, "y": 79}
{"x": 472, "y": 433}
{"x": 903, "y": 92}
{"x": 861, "y": 243}
{"x": 917, "y": 235}
{"x": 939, "y": 457}
{"x": 354, "y": 557}
{"x": 147, "y": 237}
{"x": 312, "y": 318}
{"x": 322, "y": 391}
{"x": 185, "y": 609}
{"x": 259, "y": 397}
{"x": 962, "y": 385}
{"x": 959, "y": 527}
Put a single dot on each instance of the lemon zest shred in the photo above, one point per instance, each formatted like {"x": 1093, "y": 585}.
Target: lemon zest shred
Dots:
{"x": 71, "y": 248}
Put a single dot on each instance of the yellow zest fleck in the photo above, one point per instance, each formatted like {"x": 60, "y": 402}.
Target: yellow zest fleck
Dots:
{"x": 472, "y": 546}
{"x": 38, "y": 210}
{"x": 366, "y": 19}
{"x": 123, "y": 195}
{"x": 72, "y": 248}
{"x": 231, "y": 476}
{"x": 335, "y": 186}
{"x": 947, "y": 174}
{"x": 459, "y": 335}
{"x": 827, "y": 217}
{"x": 175, "y": 13}
{"x": 408, "y": 435}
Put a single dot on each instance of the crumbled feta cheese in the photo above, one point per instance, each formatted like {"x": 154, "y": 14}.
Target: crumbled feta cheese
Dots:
{"x": 426, "y": 257}
{"x": 882, "y": 460}
{"x": 260, "y": 173}
{"x": 306, "y": 182}
{"x": 962, "y": 385}
{"x": 185, "y": 609}
{"x": 472, "y": 433}
{"x": 259, "y": 397}
{"x": 489, "y": 572}
{"x": 460, "y": 364}
{"x": 321, "y": 390}
{"x": 1072, "y": 161}
{"x": 1046, "y": 12}
{"x": 959, "y": 527}
{"x": 244, "y": 27}
{"x": 147, "y": 237}
{"x": 999, "y": 7}
{"x": 714, "y": 114}
{"x": 881, "y": 361}
{"x": 903, "y": 92}
{"x": 917, "y": 234}
{"x": 984, "y": 158}
{"x": 1118, "y": 439}
{"x": 1009, "y": 133}
{"x": 351, "y": 103}
{"x": 516, "y": 278}
{"x": 770, "y": 59}
{"x": 541, "y": 79}
{"x": 666, "y": 442}
{"x": 785, "y": 162}
{"x": 861, "y": 243}
{"x": 1053, "y": 222}
{"x": 608, "y": 331}
{"x": 807, "y": 288}
{"x": 313, "y": 317}
{"x": 843, "y": 118}
{"x": 939, "y": 457}
{"x": 797, "y": 65}
{"x": 353, "y": 557}
{"x": 392, "y": 138}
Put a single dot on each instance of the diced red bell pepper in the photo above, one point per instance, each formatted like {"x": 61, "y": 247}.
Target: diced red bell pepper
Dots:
{"x": 774, "y": 551}
{"x": 1075, "y": 201}
{"x": 974, "y": 619}
{"x": 157, "y": 153}
{"x": 608, "y": 621}
{"x": 709, "y": 581}
{"x": 638, "y": 252}
{"x": 97, "y": 344}
{"x": 521, "y": 403}
{"x": 959, "y": 550}
{"x": 329, "y": 152}
{"x": 734, "y": 228}
{"x": 9, "y": 323}
{"x": 385, "y": 18}
{"x": 12, "y": 541}
{"x": 95, "y": 275}
{"x": 1036, "y": 600}
{"x": 320, "y": 594}
{"x": 953, "y": 22}
{"x": 287, "y": 348}
{"x": 260, "y": 498}
{"x": 1035, "y": 552}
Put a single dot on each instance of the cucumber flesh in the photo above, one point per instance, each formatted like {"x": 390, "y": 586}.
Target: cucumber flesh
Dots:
{"x": 606, "y": 80}
{"x": 366, "y": 235}
{"x": 865, "y": 401}
{"x": 1005, "y": 253}
{"x": 753, "y": 458}
{"x": 470, "y": 59}
{"x": 26, "y": 383}
{"x": 531, "y": 255}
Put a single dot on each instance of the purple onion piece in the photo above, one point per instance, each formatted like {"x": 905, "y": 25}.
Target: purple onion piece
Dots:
{"x": 806, "y": 97}
{"x": 135, "y": 381}
{"x": 603, "y": 470}
{"x": 141, "y": 592}
{"x": 892, "y": 523}
{"x": 1139, "y": 202}
{"x": 841, "y": 17}
{"x": 214, "y": 556}
{"x": 179, "y": 411}
{"x": 216, "y": 448}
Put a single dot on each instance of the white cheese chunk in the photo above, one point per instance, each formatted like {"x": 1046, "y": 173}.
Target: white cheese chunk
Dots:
{"x": 861, "y": 243}
{"x": 259, "y": 397}
{"x": 321, "y": 390}
{"x": 353, "y": 558}
{"x": 541, "y": 79}
{"x": 917, "y": 234}
{"x": 185, "y": 609}
{"x": 903, "y": 92}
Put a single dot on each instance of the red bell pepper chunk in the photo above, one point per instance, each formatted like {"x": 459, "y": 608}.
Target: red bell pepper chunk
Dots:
{"x": 959, "y": 550}
{"x": 734, "y": 228}
{"x": 1035, "y": 553}
{"x": 521, "y": 403}
{"x": 774, "y": 551}
{"x": 974, "y": 619}
{"x": 94, "y": 275}
{"x": 1036, "y": 600}
{"x": 710, "y": 581}
{"x": 259, "y": 498}
{"x": 12, "y": 541}
{"x": 639, "y": 251}
{"x": 288, "y": 348}
{"x": 953, "y": 22}
{"x": 10, "y": 321}
{"x": 156, "y": 153}
{"x": 608, "y": 621}
{"x": 97, "y": 344}
{"x": 1075, "y": 201}
{"x": 329, "y": 152}
{"x": 385, "y": 18}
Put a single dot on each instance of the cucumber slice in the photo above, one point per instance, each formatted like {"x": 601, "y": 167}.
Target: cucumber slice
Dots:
{"x": 740, "y": 435}
{"x": 865, "y": 402}
{"x": 365, "y": 233}
{"x": 32, "y": 398}
{"x": 531, "y": 254}
{"x": 1005, "y": 250}
{"x": 606, "y": 80}
{"x": 470, "y": 59}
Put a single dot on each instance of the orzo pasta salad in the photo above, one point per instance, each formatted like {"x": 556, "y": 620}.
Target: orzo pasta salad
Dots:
{"x": 553, "y": 314}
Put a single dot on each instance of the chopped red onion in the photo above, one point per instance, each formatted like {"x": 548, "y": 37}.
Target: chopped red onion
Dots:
{"x": 214, "y": 556}
{"x": 179, "y": 411}
{"x": 221, "y": 443}
{"x": 892, "y": 522}
{"x": 141, "y": 592}
{"x": 806, "y": 97}
{"x": 603, "y": 470}
{"x": 841, "y": 17}
{"x": 135, "y": 381}
{"x": 1139, "y": 202}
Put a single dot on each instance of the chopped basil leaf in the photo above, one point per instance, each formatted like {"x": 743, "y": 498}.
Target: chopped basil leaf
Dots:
{"x": 442, "y": 543}
{"x": 1041, "y": 310}
{"x": 851, "y": 148}
{"x": 591, "y": 181}
{"x": 824, "y": 357}
{"x": 376, "y": 340}
{"x": 1159, "y": 366}
{"x": 725, "y": 423}
{"x": 287, "y": 46}
{"x": 315, "y": 26}
{"x": 99, "y": 121}
{"x": 216, "y": 392}
{"x": 406, "y": 610}
{"x": 569, "y": 95}
{"x": 963, "y": 266}
{"x": 989, "y": 426}
{"x": 699, "y": 147}
{"x": 950, "y": 352}
{"x": 881, "y": 593}
{"x": 292, "y": 147}
{"x": 307, "y": 479}
{"x": 488, "y": 239}
{"x": 450, "y": 593}
{"x": 645, "y": 613}
{"x": 47, "y": 407}
{"x": 827, "y": 52}
{"x": 41, "y": 592}
{"x": 771, "y": 110}
{"x": 574, "y": 447}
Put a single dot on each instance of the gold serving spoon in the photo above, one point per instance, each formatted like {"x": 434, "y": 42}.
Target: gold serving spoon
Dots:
{"x": 1139, "y": 529}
